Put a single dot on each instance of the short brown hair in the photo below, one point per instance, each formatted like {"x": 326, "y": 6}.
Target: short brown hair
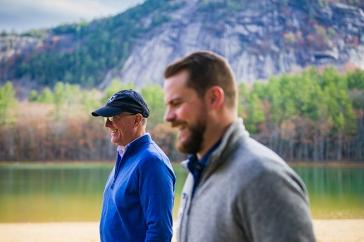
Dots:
{"x": 206, "y": 69}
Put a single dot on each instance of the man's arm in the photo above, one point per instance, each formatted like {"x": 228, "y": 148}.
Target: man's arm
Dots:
{"x": 156, "y": 187}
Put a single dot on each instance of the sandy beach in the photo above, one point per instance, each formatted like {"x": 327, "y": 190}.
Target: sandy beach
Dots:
{"x": 351, "y": 230}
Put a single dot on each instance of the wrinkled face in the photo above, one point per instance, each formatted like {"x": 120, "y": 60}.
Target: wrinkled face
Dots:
{"x": 185, "y": 111}
{"x": 122, "y": 128}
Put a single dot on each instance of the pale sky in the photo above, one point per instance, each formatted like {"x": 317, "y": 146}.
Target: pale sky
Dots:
{"x": 23, "y": 15}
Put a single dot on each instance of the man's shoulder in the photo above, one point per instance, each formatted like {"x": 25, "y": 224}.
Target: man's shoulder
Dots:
{"x": 153, "y": 155}
{"x": 251, "y": 152}
{"x": 252, "y": 159}
{"x": 243, "y": 153}
{"x": 153, "y": 151}
{"x": 255, "y": 163}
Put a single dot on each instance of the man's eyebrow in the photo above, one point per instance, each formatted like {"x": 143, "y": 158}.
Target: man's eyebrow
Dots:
{"x": 174, "y": 100}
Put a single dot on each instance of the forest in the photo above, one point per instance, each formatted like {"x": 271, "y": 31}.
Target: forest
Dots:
{"x": 314, "y": 115}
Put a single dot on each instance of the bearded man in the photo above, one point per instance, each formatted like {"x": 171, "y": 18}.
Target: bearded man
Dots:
{"x": 237, "y": 189}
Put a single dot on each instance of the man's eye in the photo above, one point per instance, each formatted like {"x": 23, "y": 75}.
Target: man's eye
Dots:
{"x": 176, "y": 104}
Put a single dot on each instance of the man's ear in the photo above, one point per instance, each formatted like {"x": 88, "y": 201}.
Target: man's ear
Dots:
{"x": 215, "y": 97}
{"x": 138, "y": 119}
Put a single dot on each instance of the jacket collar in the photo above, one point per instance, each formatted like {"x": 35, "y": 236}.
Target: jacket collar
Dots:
{"x": 234, "y": 132}
{"x": 138, "y": 142}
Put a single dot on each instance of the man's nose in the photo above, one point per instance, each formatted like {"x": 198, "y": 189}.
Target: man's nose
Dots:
{"x": 107, "y": 123}
{"x": 169, "y": 115}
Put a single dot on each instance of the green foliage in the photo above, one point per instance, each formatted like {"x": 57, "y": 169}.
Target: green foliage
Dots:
{"x": 356, "y": 86}
{"x": 33, "y": 96}
{"x": 46, "y": 96}
{"x": 321, "y": 98}
{"x": 37, "y": 33}
{"x": 59, "y": 95}
{"x": 242, "y": 102}
{"x": 233, "y": 5}
{"x": 355, "y": 79}
{"x": 67, "y": 99}
{"x": 336, "y": 97}
{"x": 90, "y": 100}
{"x": 153, "y": 96}
{"x": 115, "y": 86}
{"x": 255, "y": 113}
{"x": 312, "y": 114}
{"x": 7, "y": 103}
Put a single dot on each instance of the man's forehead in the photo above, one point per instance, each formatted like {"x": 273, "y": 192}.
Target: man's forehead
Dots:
{"x": 170, "y": 95}
{"x": 179, "y": 94}
{"x": 176, "y": 88}
{"x": 180, "y": 77}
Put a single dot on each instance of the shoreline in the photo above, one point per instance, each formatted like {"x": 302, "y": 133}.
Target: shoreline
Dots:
{"x": 110, "y": 162}
{"x": 333, "y": 230}
{"x": 344, "y": 164}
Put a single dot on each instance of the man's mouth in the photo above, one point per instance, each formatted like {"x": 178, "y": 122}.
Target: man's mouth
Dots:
{"x": 114, "y": 131}
{"x": 179, "y": 125}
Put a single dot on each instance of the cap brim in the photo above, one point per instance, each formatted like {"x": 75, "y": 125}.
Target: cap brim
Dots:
{"x": 106, "y": 111}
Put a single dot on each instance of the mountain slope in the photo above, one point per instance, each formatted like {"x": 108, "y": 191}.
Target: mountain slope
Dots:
{"x": 260, "y": 38}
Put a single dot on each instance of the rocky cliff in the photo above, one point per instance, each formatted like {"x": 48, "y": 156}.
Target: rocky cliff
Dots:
{"x": 259, "y": 38}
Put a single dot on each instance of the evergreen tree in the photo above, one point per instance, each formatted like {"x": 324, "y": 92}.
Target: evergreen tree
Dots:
{"x": 7, "y": 103}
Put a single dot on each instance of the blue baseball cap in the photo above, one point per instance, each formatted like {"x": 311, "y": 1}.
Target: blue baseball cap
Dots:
{"x": 128, "y": 101}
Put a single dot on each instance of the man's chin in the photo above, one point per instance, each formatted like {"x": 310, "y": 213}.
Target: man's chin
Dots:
{"x": 190, "y": 142}
{"x": 186, "y": 147}
{"x": 114, "y": 141}
{"x": 181, "y": 148}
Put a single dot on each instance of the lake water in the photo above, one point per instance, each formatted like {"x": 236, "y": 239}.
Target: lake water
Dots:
{"x": 35, "y": 192}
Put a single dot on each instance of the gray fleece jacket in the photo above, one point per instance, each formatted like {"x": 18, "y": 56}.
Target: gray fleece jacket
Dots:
{"x": 246, "y": 193}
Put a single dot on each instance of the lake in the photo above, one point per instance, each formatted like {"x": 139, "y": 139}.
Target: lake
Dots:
{"x": 37, "y": 192}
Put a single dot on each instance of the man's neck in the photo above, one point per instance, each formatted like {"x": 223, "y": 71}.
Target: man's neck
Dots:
{"x": 135, "y": 137}
{"x": 212, "y": 135}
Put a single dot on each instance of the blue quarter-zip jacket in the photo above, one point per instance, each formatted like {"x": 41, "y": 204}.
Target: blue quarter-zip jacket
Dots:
{"x": 138, "y": 197}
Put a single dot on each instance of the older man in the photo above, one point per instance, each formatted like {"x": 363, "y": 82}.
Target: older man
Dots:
{"x": 138, "y": 197}
{"x": 237, "y": 189}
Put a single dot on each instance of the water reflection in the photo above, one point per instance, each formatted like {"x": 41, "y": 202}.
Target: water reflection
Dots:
{"x": 335, "y": 192}
{"x": 40, "y": 193}
{"x": 73, "y": 192}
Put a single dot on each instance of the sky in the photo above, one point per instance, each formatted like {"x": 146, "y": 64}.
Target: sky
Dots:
{"x": 24, "y": 15}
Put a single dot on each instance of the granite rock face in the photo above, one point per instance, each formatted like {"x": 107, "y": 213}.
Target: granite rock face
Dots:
{"x": 259, "y": 38}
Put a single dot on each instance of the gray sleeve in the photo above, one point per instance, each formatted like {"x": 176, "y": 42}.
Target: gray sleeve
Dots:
{"x": 274, "y": 207}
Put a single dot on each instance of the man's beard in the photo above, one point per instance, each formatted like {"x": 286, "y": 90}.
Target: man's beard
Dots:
{"x": 194, "y": 142}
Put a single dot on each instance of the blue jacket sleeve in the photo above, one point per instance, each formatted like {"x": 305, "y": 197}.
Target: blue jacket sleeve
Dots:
{"x": 156, "y": 187}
